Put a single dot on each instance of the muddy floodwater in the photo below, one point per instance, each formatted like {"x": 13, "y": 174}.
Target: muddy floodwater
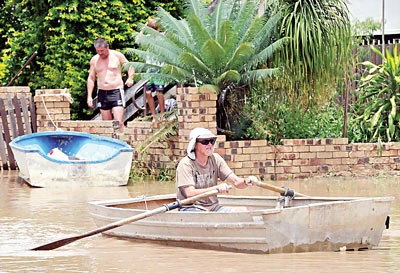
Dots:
{"x": 30, "y": 217}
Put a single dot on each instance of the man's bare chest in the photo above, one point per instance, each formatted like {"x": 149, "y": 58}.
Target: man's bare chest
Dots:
{"x": 109, "y": 64}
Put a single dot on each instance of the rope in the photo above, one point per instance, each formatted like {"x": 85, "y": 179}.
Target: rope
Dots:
{"x": 64, "y": 94}
{"x": 144, "y": 197}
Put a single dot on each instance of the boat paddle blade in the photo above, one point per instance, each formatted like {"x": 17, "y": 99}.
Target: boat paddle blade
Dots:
{"x": 282, "y": 191}
{"x": 137, "y": 217}
{"x": 58, "y": 243}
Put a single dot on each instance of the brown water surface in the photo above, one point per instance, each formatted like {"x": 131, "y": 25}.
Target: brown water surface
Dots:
{"x": 30, "y": 217}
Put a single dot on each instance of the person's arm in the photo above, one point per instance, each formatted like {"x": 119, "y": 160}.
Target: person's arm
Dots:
{"x": 90, "y": 84}
{"x": 227, "y": 174}
{"x": 130, "y": 69}
{"x": 131, "y": 72}
{"x": 192, "y": 191}
{"x": 240, "y": 182}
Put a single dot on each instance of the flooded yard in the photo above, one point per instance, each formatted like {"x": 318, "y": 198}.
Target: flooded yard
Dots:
{"x": 30, "y": 217}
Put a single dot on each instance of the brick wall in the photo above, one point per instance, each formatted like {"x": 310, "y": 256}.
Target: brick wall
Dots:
{"x": 52, "y": 107}
{"x": 293, "y": 159}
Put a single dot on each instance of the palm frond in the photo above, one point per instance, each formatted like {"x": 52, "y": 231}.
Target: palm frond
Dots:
{"x": 217, "y": 18}
{"x": 191, "y": 61}
{"x": 178, "y": 73}
{"x": 265, "y": 34}
{"x": 209, "y": 86}
{"x": 199, "y": 31}
{"x": 228, "y": 77}
{"x": 241, "y": 56}
{"x": 176, "y": 28}
{"x": 159, "y": 48}
{"x": 146, "y": 55}
{"x": 212, "y": 54}
{"x": 142, "y": 54}
{"x": 227, "y": 37}
{"x": 234, "y": 10}
{"x": 259, "y": 74}
{"x": 245, "y": 16}
{"x": 253, "y": 30}
{"x": 264, "y": 55}
{"x": 139, "y": 66}
{"x": 197, "y": 8}
{"x": 165, "y": 78}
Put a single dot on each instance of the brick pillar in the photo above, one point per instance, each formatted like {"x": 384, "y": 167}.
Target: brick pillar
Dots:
{"x": 52, "y": 106}
{"x": 14, "y": 90}
{"x": 196, "y": 108}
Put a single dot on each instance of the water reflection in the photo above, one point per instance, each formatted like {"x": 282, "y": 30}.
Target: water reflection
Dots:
{"x": 30, "y": 217}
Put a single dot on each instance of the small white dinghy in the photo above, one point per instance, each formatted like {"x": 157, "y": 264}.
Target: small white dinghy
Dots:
{"x": 66, "y": 158}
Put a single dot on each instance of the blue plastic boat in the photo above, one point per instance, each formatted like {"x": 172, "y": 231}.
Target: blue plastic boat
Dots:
{"x": 65, "y": 158}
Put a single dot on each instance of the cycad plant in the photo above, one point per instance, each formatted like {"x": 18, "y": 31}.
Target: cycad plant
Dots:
{"x": 227, "y": 48}
{"x": 376, "y": 117}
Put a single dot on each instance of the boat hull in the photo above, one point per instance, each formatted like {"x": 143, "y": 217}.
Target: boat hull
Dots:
{"x": 91, "y": 160}
{"x": 310, "y": 224}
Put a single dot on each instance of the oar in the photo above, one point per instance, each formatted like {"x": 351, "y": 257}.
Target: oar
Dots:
{"x": 278, "y": 189}
{"x": 164, "y": 208}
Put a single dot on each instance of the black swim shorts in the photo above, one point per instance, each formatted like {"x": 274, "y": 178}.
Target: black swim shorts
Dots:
{"x": 108, "y": 99}
{"x": 154, "y": 87}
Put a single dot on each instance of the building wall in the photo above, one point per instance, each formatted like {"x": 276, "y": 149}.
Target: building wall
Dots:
{"x": 293, "y": 159}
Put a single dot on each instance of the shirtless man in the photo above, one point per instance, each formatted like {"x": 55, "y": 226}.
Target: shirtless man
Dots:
{"x": 106, "y": 67}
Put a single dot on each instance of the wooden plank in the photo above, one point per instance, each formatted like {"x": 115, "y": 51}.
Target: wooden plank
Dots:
{"x": 7, "y": 137}
{"x": 3, "y": 146}
{"x": 13, "y": 123}
{"x": 24, "y": 106}
{"x": 32, "y": 109}
{"x": 135, "y": 89}
{"x": 18, "y": 115}
{"x": 130, "y": 110}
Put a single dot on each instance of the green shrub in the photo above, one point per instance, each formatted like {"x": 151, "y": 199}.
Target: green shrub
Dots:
{"x": 375, "y": 116}
{"x": 274, "y": 120}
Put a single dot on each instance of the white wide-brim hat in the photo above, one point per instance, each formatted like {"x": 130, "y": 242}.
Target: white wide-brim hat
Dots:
{"x": 194, "y": 135}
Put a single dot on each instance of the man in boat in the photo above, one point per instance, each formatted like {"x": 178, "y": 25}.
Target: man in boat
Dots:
{"x": 106, "y": 67}
{"x": 199, "y": 171}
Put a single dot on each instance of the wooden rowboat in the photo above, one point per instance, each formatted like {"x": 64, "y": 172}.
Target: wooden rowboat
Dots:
{"x": 66, "y": 158}
{"x": 274, "y": 225}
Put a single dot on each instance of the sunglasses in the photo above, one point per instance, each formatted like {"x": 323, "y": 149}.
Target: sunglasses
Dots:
{"x": 207, "y": 141}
